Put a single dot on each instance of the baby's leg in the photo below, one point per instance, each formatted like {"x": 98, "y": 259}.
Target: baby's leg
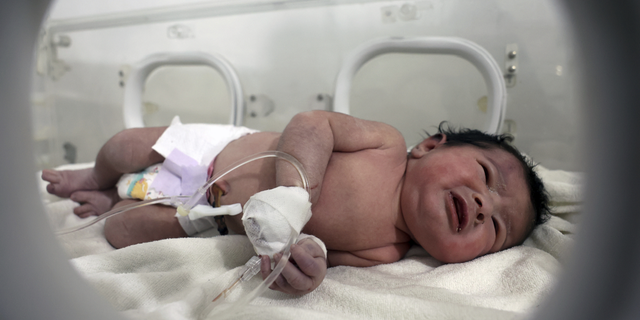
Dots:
{"x": 145, "y": 224}
{"x": 126, "y": 152}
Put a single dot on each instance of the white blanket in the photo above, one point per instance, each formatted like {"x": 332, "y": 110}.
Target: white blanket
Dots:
{"x": 177, "y": 278}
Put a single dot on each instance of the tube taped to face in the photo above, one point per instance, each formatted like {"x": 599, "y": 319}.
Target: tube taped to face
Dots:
{"x": 270, "y": 215}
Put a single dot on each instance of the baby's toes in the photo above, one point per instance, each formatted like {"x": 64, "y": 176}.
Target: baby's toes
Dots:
{"x": 85, "y": 210}
{"x": 51, "y": 188}
{"x": 51, "y": 176}
{"x": 81, "y": 196}
{"x": 100, "y": 201}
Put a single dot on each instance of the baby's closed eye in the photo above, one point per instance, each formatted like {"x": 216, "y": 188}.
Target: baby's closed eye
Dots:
{"x": 485, "y": 173}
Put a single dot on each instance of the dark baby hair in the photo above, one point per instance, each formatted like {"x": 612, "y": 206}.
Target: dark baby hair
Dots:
{"x": 537, "y": 193}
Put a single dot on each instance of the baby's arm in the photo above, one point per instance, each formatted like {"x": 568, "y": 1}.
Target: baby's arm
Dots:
{"x": 311, "y": 137}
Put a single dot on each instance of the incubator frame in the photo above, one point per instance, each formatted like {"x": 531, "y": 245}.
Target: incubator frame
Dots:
{"x": 132, "y": 106}
{"x": 603, "y": 281}
{"x": 465, "y": 49}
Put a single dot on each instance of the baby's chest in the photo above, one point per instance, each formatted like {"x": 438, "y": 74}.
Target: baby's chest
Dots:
{"x": 358, "y": 205}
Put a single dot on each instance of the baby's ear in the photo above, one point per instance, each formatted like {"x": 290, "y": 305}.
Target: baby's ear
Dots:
{"x": 428, "y": 144}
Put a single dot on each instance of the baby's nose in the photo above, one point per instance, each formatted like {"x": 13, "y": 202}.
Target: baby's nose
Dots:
{"x": 484, "y": 207}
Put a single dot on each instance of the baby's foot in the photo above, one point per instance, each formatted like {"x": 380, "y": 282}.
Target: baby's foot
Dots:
{"x": 64, "y": 183}
{"x": 94, "y": 203}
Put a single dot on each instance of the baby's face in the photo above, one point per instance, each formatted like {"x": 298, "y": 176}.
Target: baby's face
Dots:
{"x": 461, "y": 202}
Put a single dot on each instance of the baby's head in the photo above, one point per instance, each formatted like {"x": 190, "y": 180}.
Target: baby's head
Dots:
{"x": 467, "y": 193}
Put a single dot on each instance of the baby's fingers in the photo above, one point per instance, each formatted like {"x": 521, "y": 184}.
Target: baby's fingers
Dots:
{"x": 291, "y": 280}
{"x": 280, "y": 283}
{"x": 265, "y": 266}
{"x": 310, "y": 262}
{"x": 295, "y": 281}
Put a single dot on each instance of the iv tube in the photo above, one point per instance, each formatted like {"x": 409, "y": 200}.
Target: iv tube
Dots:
{"x": 178, "y": 201}
{"x": 228, "y": 310}
{"x": 175, "y": 200}
{"x": 192, "y": 200}
{"x": 286, "y": 253}
{"x": 184, "y": 209}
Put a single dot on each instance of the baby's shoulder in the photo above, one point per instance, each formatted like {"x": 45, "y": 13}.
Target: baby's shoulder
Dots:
{"x": 390, "y": 143}
{"x": 392, "y": 136}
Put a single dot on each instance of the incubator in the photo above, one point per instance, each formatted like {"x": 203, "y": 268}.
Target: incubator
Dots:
{"x": 411, "y": 64}
{"x": 287, "y": 55}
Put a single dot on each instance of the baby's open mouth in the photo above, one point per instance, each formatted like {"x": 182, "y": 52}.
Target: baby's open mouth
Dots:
{"x": 461, "y": 211}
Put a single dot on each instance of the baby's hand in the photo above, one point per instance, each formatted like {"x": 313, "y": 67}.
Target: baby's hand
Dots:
{"x": 302, "y": 277}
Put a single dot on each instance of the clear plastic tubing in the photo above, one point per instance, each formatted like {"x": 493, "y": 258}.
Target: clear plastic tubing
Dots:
{"x": 184, "y": 209}
{"x": 175, "y": 200}
{"x": 179, "y": 201}
{"x": 250, "y": 269}
{"x": 230, "y": 310}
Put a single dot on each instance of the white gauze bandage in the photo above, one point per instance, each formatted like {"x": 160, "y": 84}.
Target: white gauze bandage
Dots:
{"x": 270, "y": 215}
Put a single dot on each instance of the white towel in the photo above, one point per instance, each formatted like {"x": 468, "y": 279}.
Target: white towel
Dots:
{"x": 177, "y": 278}
{"x": 565, "y": 189}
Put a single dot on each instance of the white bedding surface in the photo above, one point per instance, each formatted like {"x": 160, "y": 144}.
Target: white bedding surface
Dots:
{"x": 177, "y": 278}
